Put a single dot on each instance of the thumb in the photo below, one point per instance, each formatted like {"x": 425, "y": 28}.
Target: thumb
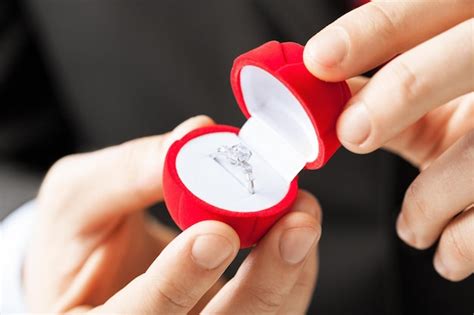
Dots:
{"x": 181, "y": 275}
{"x": 117, "y": 180}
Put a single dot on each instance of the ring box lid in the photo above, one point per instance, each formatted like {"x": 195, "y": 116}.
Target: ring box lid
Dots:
{"x": 291, "y": 114}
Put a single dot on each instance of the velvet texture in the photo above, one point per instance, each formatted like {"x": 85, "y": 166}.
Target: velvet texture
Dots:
{"x": 186, "y": 209}
{"x": 322, "y": 101}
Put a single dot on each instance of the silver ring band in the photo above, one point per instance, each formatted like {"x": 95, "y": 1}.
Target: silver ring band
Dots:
{"x": 237, "y": 155}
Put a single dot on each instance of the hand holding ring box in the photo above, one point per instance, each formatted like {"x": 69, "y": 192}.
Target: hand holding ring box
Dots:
{"x": 247, "y": 177}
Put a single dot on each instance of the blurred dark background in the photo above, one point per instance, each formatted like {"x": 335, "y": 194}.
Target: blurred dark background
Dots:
{"x": 79, "y": 75}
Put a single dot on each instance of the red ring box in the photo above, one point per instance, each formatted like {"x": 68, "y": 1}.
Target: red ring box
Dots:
{"x": 291, "y": 125}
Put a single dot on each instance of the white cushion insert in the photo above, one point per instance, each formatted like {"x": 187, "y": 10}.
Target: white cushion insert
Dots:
{"x": 210, "y": 182}
{"x": 272, "y": 103}
{"x": 274, "y": 149}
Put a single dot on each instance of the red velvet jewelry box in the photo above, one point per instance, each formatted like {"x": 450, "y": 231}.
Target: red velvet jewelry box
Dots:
{"x": 291, "y": 125}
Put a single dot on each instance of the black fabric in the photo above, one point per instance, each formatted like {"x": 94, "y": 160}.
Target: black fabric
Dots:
{"x": 92, "y": 73}
{"x": 32, "y": 131}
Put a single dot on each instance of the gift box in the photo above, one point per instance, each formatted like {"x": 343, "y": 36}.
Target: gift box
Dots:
{"x": 247, "y": 177}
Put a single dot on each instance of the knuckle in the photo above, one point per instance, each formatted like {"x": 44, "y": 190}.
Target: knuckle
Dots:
{"x": 139, "y": 164}
{"x": 307, "y": 278}
{"x": 60, "y": 171}
{"x": 305, "y": 284}
{"x": 54, "y": 196}
{"x": 382, "y": 21}
{"x": 265, "y": 299}
{"x": 408, "y": 83}
{"x": 63, "y": 164}
{"x": 177, "y": 296}
{"x": 455, "y": 240}
{"x": 417, "y": 207}
{"x": 127, "y": 159}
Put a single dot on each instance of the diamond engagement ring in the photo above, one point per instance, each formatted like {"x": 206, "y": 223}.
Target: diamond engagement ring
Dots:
{"x": 237, "y": 155}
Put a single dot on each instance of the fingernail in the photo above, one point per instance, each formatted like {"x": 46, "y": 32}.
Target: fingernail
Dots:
{"x": 439, "y": 265}
{"x": 328, "y": 48}
{"x": 403, "y": 230}
{"x": 211, "y": 250}
{"x": 296, "y": 243}
{"x": 354, "y": 126}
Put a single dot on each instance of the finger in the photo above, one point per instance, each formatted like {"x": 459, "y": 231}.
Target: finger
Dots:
{"x": 357, "y": 83}
{"x": 83, "y": 309}
{"x": 161, "y": 236}
{"x": 268, "y": 275}
{"x": 197, "y": 309}
{"x": 424, "y": 141}
{"x": 302, "y": 292}
{"x": 160, "y": 233}
{"x": 407, "y": 88}
{"x": 116, "y": 180}
{"x": 438, "y": 194}
{"x": 454, "y": 258}
{"x": 186, "y": 269}
{"x": 376, "y": 32}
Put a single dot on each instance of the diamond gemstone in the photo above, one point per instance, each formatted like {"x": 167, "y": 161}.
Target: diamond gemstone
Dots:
{"x": 240, "y": 153}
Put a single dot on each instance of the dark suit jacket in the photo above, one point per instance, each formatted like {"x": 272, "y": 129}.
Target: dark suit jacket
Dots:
{"x": 83, "y": 74}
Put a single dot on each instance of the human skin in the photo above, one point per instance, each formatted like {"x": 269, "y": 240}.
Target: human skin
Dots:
{"x": 95, "y": 249}
{"x": 419, "y": 105}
